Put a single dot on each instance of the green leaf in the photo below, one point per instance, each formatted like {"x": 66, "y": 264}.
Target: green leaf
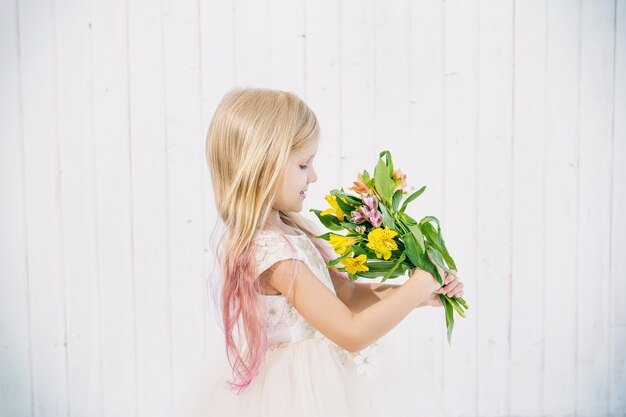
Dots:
{"x": 428, "y": 219}
{"x": 397, "y": 196}
{"x": 355, "y": 201}
{"x": 337, "y": 260}
{"x": 438, "y": 258}
{"x": 387, "y": 217}
{"x": 436, "y": 240}
{"x": 462, "y": 303}
{"x": 349, "y": 225}
{"x": 411, "y": 198}
{"x": 379, "y": 266}
{"x": 431, "y": 234}
{"x": 415, "y": 230}
{"x": 449, "y": 317}
{"x": 325, "y": 236}
{"x": 374, "y": 275}
{"x": 446, "y": 255}
{"x": 407, "y": 219}
{"x": 411, "y": 248}
{"x": 388, "y": 161}
{"x": 339, "y": 196}
{"x": 388, "y": 274}
{"x": 330, "y": 221}
{"x": 455, "y": 305}
{"x": 383, "y": 181}
{"x": 358, "y": 250}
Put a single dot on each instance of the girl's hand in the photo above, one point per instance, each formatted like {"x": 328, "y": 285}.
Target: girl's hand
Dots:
{"x": 452, "y": 287}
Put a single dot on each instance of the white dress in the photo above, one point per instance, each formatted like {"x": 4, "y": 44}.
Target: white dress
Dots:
{"x": 305, "y": 374}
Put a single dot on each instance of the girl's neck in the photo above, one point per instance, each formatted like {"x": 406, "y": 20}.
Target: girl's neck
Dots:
{"x": 274, "y": 222}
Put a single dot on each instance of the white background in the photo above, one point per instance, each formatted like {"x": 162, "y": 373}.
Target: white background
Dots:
{"x": 510, "y": 112}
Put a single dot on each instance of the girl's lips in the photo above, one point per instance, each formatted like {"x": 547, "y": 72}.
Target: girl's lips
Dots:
{"x": 303, "y": 194}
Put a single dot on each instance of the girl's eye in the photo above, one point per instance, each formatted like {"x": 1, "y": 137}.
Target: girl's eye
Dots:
{"x": 303, "y": 166}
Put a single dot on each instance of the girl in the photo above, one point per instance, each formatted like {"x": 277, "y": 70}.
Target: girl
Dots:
{"x": 309, "y": 333}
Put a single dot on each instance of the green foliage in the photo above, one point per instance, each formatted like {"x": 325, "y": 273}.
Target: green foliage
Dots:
{"x": 420, "y": 245}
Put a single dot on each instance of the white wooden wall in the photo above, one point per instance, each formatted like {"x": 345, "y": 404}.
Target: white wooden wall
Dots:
{"x": 512, "y": 114}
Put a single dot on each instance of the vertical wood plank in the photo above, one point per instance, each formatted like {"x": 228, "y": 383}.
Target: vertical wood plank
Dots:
{"x": 151, "y": 189}
{"x": 322, "y": 92}
{"x": 102, "y": 140}
{"x": 596, "y": 86}
{"x": 217, "y": 50}
{"x": 78, "y": 205}
{"x": 460, "y": 97}
{"x": 494, "y": 179}
{"x": 111, "y": 159}
{"x": 427, "y": 145}
{"x": 287, "y": 38}
{"x": 44, "y": 232}
{"x": 218, "y": 74}
{"x": 357, "y": 84}
{"x": 185, "y": 147}
{"x": 561, "y": 190}
{"x": 252, "y": 43}
{"x": 528, "y": 165}
{"x": 617, "y": 284}
{"x": 15, "y": 328}
{"x": 391, "y": 28}
{"x": 424, "y": 165}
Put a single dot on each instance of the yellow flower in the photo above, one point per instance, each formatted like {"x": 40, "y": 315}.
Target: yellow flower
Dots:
{"x": 335, "y": 209}
{"x": 381, "y": 241}
{"x": 341, "y": 244}
{"x": 353, "y": 265}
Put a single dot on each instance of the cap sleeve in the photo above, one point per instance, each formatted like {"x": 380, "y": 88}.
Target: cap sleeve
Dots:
{"x": 271, "y": 248}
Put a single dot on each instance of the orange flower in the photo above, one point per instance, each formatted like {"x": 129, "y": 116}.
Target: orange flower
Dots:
{"x": 360, "y": 187}
{"x": 399, "y": 179}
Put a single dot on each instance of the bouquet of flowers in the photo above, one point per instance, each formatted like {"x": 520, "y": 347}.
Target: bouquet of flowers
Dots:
{"x": 382, "y": 239}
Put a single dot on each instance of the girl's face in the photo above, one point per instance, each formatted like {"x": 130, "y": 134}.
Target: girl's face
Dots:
{"x": 295, "y": 179}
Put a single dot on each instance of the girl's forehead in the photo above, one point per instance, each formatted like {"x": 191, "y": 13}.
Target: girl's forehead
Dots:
{"x": 308, "y": 152}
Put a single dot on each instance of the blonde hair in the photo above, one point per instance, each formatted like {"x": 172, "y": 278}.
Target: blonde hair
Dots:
{"x": 249, "y": 139}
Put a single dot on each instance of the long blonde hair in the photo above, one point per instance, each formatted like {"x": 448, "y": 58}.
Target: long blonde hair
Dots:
{"x": 249, "y": 139}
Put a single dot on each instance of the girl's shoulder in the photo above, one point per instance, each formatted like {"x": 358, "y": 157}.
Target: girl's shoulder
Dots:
{"x": 272, "y": 246}
{"x": 274, "y": 232}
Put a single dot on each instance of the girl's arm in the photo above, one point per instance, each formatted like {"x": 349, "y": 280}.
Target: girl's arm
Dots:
{"x": 366, "y": 294}
{"x": 328, "y": 314}
{"x": 357, "y": 296}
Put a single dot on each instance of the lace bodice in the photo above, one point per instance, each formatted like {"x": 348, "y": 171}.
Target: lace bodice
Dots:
{"x": 285, "y": 325}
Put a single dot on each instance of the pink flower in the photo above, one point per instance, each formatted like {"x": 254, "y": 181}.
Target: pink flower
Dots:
{"x": 368, "y": 212}
{"x": 370, "y": 201}
{"x": 376, "y": 218}
{"x": 361, "y": 215}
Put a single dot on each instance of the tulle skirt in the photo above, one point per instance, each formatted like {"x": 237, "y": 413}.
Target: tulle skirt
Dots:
{"x": 309, "y": 379}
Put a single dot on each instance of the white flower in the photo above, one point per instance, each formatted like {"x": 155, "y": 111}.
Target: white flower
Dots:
{"x": 272, "y": 315}
{"x": 342, "y": 354}
{"x": 307, "y": 330}
{"x": 293, "y": 316}
{"x": 314, "y": 255}
{"x": 367, "y": 360}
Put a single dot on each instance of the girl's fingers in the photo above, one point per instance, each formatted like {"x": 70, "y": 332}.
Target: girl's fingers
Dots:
{"x": 451, "y": 285}
{"x": 454, "y": 287}
{"x": 458, "y": 292}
